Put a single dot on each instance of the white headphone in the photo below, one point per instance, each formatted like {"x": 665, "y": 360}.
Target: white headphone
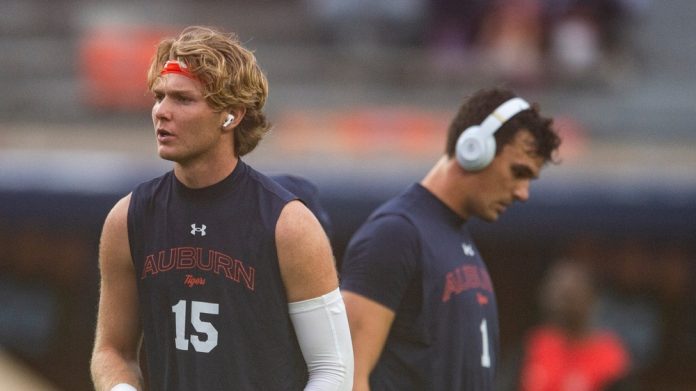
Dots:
{"x": 476, "y": 145}
{"x": 228, "y": 121}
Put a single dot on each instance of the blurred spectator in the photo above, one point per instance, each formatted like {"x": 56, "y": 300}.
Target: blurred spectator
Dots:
{"x": 628, "y": 303}
{"x": 453, "y": 33}
{"x": 584, "y": 34}
{"x": 525, "y": 41}
{"x": 565, "y": 352}
{"x": 512, "y": 38}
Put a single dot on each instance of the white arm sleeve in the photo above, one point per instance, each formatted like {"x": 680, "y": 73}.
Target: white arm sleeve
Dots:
{"x": 322, "y": 331}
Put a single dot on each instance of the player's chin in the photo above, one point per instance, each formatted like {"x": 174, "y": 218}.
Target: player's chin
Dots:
{"x": 490, "y": 217}
{"x": 168, "y": 154}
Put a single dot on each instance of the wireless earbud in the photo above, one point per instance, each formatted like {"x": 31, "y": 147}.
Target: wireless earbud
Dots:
{"x": 228, "y": 121}
{"x": 476, "y": 145}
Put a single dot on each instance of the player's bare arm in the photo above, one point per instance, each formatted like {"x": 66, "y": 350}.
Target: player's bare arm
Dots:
{"x": 305, "y": 256}
{"x": 369, "y": 322}
{"x": 315, "y": 304}
{"x": 118, "y": 334}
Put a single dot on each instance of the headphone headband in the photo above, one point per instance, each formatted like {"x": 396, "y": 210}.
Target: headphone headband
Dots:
{"x": 502, "y": 114}
{"x": 475, "y": 147}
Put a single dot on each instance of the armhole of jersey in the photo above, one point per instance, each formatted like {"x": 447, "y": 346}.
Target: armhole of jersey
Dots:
{"x": 130, "y": 223}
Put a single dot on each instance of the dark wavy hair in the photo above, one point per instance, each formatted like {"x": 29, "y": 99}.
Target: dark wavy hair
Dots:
{"x": 483, "y": 102}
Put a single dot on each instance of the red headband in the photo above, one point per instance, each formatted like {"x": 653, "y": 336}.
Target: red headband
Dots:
{"x": 174, "y": 66}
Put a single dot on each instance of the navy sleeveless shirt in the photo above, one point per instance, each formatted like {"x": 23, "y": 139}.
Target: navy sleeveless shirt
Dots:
{"x": 212, "y": 303}
{"x": 415, "y": 256}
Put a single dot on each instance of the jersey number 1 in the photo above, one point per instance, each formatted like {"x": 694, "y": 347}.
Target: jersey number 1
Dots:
{"x": 203, "y": 345}
{"x": 485, "y": 354}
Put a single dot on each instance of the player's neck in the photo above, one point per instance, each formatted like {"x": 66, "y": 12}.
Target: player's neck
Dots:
{"x": 441, "y": 183}
{"x": 199, "y": 174}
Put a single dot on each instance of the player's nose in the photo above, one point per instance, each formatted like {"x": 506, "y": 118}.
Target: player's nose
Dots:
{"x": 521, "y": 191}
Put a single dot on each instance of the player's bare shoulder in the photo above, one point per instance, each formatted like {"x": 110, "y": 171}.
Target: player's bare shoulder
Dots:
{"x": 304, "y": 253}
{"x": 295, "y": 220}
{"x": 114, "y": 246}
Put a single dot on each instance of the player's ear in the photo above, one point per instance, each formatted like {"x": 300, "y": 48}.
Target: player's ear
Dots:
{"x": 228, "y": 121}
{"x": 233, "y": 116}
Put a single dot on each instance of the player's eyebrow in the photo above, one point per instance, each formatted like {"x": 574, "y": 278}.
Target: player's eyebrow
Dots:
{"x": 523, "y": 171}
{"x": 172, "y": 91}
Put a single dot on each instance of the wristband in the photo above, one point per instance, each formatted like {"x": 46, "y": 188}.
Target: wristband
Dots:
{"x": 123, "y": 387}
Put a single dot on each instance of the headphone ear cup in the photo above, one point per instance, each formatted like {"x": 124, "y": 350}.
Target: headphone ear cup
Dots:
{"x": 474, "y": 152}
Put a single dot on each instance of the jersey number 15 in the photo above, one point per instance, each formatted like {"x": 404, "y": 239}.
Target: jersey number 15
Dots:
{"x": 203, "y": 345}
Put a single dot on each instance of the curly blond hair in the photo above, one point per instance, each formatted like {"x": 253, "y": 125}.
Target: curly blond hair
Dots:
{"x": 230, "y": 75}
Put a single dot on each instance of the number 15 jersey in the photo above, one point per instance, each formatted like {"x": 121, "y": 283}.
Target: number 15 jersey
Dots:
{"x": 212, "y": 302}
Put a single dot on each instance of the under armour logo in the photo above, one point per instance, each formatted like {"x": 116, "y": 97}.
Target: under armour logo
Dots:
{"x": 468, "y": 249}
{"x": 200, "y": 229}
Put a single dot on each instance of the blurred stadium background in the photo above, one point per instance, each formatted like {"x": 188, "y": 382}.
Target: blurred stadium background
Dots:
{"x": 361, "y": 94}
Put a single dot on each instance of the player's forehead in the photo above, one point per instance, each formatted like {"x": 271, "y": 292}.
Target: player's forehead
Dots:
{"x": 526, "y": 142}
{"x": 524, "y": 153}
{"x": 173, "y": 83}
